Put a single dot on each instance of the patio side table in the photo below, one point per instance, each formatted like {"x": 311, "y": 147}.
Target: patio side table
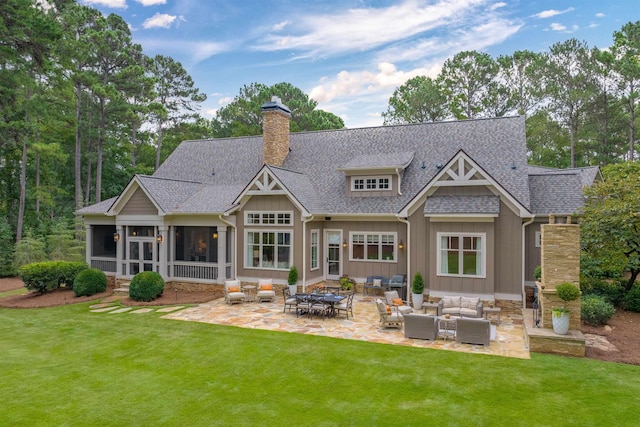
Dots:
{"x": 249, "y": 292}
{"x": 446, "y": 327}
{"x": 487, "y": 310}
{"x": 430, "y": 305}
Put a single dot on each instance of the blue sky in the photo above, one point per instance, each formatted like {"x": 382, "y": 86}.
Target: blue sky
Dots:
{"x": 350, "y": 55}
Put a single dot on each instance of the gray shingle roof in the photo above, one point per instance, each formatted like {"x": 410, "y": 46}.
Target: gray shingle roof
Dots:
{"x": 97, "y": 208}
{"x": 462, "y": 205}
{"x": 588, "y": 174}
{"x": 207, "y": 175}
{"x": 556, "y": 193}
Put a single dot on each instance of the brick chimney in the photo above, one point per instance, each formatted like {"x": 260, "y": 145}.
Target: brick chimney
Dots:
{"x": 275, "y": 132}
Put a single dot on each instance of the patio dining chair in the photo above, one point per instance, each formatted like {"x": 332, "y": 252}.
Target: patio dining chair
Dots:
{"x": 346, "y": 305}
{"x": 318, "y": 306}
{"x": 289, "y": 300}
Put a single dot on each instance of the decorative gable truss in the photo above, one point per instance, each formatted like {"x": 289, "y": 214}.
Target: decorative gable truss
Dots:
{"x": 266, "y": 183}
{"x": 462, "y": 172}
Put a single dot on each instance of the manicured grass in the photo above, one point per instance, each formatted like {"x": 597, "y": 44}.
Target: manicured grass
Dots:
{"x": 67, "y": 366}
{"x": 20, "y": 291}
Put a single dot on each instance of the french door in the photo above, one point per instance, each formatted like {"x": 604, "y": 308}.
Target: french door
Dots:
{"x": 141, "y": 253}
{"x": 333, "y": 253}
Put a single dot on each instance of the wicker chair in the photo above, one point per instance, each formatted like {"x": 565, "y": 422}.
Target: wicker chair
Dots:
{"x": 388, "y": 318}
{"x": 473, "y": 331}
{"x": 403, "y": 307}
{"x": 232, "y": 292}
{"x": 265, "y": 290}
{"x": 420, "y": 326}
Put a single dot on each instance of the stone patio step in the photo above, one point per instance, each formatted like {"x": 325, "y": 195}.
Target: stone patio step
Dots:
{"x": 122, "y": 289}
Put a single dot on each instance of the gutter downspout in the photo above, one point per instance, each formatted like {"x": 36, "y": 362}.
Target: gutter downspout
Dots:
{"x": 235, "y": 246}
{"x": 408, "y": 247}
{"x": 524, "y": 225}
{"x": 304, "y": 251}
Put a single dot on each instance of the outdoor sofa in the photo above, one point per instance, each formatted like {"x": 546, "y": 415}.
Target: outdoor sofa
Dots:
{"x": 460, "y": 306}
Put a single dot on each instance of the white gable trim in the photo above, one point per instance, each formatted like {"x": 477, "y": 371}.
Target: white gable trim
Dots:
{"x": 265, "y": 183}
{"x": 127, "y": 193}
{"x": 463, "y": 171}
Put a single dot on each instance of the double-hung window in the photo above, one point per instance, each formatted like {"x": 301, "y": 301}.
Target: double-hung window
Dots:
{"x": 373, "y": 246}
{"x": 462, "y": 254}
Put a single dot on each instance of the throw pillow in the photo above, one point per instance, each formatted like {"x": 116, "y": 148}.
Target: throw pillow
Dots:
{"x": 388, "y": 310}
{"x": 397, "y": 301}
{"x": 234, "y": 288}
{"x": 266, "y": 287}
{"x": 377, "y": 282}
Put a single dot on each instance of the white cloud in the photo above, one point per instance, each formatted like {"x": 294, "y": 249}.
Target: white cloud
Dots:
{"x": 359, "y": 29}
{"x": 557, "y": 27}
{"x": 116, "y": 4}
{"x": 210, "y": 112}
{"x": 552, "y": 12}
{"x": 600, "y": 15}
{"x": 195, "y": 51}
{"x": 497, "y": 5}
{"x": 280, "y": 26}
{"x": 160, "y": 20}
{"x": 225, "y": 100}
{"x": 151, "y": 2}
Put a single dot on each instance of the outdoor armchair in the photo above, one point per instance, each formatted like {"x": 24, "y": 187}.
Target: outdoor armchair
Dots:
{"x": 388, "y": 318}
{"x": 232, "y": 292}
{"x": 473, "y": 331}
{"x": 393, "y": 299}
{"x": 377, "y": 283}
{"x": 422, "y": 326}
{"x": 265, "y": 290}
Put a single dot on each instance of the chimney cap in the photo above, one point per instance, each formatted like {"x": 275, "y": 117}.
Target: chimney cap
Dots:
{"x": 275, "y": 105}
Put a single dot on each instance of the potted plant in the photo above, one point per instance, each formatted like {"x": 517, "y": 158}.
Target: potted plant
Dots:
{"x": 292, "y": 280}
{"x": 346, "y": 283}
{"x": 560, "y": 316}
{"x": 417, "y": 289}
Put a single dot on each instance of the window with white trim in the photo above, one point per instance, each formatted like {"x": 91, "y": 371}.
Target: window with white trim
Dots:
{"x": 268, "y": 218}
{"x": 370, "y": 183}
{"x": 379, "y": 247}
{"x": 268, "y": 249}
{"x": 462, "y": 254}
{"x": 315, "y": 236}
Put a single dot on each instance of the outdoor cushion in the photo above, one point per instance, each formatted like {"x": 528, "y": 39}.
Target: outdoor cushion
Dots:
{"x": 266, "y": 287}
{"x": 388, "y": 309}
{"x": 397, "y": 301}
{"x": 469, "y": 303}
{"x": 377, "y": 282}
{"x": 234, "y": 289}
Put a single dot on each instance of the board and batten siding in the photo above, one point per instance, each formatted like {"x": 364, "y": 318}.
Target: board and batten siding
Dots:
{"x": 533, "y": 256}
{"x": 508, "y": 252}
{"x": 139, "y": 204}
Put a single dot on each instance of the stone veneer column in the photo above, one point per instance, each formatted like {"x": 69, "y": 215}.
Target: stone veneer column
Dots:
{"x": 560, "y": 263}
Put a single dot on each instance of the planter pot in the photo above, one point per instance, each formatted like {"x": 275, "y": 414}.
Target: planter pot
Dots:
{"x": 293, "y": 289}
{"x": 417, "y": 300}
{"x": 560, "y": 321}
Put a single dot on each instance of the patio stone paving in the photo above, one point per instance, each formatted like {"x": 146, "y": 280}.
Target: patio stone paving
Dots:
{"x": 364, "y": 326}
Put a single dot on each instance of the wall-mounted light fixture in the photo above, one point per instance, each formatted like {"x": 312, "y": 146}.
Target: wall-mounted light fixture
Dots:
{"x": 344, "y": 244}
{"x": 160, "y": 238}
{"x": 116, "y": 236}
{"x": 215, "y": 235}
{"x": 401, "y": 245}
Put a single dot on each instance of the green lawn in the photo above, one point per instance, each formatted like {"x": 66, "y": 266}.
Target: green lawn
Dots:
{"x": 67, "y": 366}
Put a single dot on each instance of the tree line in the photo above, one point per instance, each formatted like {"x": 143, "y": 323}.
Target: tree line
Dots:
{"x": 580, "y": 103}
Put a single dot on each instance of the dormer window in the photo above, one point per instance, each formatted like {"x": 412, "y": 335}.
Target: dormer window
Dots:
{"x": 370, "y": 183}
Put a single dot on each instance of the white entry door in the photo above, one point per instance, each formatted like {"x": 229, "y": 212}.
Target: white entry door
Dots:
{"x": 333, "y": 253}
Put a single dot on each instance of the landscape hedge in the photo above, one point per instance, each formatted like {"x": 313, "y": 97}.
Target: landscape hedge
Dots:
{"x": 146, "y": 286}
{"x": 90, "y": 282}
{"x": 47, "y": 276}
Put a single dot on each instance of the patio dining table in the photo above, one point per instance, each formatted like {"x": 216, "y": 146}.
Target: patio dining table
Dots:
{"x": 328, "y": 298}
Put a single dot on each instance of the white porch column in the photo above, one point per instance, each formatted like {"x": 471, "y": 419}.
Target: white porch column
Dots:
{"x": 119, "y": 251}
{"x": 222, "y": 254}
{"x": 89, "y": 243}
{"x": 163, "y": 230}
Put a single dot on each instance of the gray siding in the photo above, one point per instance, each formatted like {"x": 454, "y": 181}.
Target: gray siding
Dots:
{"x": 139, "y": 204}
{"x": 533, "y": 256}
{"x": 508, "y": 252}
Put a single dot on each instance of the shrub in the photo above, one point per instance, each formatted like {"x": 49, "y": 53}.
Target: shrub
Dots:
{"x": 633, "y": 298}
{"x": 596, "y": 310}
{"x": 46, "y": 276}
{"x": 611, "y": 290}
{"x": 146, "y": 286}
{"x": 537, "y": 273}
{"x": 417, "y": 286}
{"x": 89, "y": 282}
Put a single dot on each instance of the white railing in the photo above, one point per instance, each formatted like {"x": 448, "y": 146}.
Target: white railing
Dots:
{"x": 195, "y": 271}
